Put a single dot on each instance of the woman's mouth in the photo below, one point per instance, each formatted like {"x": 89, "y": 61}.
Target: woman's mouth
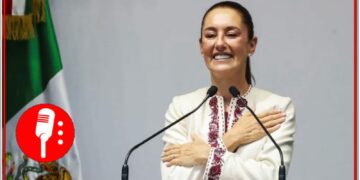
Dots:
{"x": 222, "y": 56}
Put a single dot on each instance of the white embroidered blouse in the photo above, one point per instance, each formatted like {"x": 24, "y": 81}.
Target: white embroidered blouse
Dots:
{"x": 258, "y": 160}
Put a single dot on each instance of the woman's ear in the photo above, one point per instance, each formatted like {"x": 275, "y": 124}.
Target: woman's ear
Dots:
{"x": 201, "y": 48}
{"x": 252, "y": 45}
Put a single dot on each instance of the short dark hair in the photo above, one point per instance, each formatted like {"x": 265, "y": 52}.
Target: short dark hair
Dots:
{"x": 247, "y": 19}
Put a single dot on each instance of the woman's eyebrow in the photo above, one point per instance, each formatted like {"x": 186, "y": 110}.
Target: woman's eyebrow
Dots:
{"x": 232, "y": 28}
{"x": 210, "y": 29}
{"x": 226, "y": 29}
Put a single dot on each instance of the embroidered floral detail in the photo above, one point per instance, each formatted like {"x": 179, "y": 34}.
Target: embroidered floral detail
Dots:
{"x": 214, "y": 123}
{"x": 208, "y": 164}
{"x": 216, "y": 164}
{"x": 213, "y": 102}
{"x": 212, "y": 135}
{"x": 218, "y": 148}
{"x": 213, "y": 167}
{"x": 226, "y": 123}
{"x": 237, "y": 111}
{"x": 240, "y": 107}
{"x": 242, "y": 102}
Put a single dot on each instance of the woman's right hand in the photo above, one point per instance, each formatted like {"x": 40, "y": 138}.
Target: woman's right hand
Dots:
{"x": 247, "y": 129}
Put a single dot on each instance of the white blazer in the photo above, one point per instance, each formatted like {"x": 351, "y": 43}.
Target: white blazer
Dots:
{"x": 258, "y": 160}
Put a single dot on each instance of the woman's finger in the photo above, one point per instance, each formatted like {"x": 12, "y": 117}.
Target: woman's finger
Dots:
{"x": 274, "y": 128}
{"x": 271, "y": 117}
{"x": 174, "y": 162}
{"x": 268, "y": 113}
{"x": 168, "y": 157}
{"x": 171, "y": 147}
{"x": 170, "y": 154}
{"x": 274, "y": 122}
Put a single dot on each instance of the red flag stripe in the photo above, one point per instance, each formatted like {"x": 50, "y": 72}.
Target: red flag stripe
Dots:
{"x": 8, "y": 8}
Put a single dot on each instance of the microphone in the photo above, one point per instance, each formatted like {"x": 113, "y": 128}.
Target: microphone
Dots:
{"x": 125, "y": 169}
{"x": 282, "y": 170}
{"x": 44, "y": 127}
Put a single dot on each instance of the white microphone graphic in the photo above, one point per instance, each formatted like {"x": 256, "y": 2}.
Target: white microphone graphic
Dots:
{"x": 44, "y": 127}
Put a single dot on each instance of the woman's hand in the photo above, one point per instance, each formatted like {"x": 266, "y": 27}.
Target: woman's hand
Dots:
{"x": 247, "y": 129}
{"x": 189, "y": 154}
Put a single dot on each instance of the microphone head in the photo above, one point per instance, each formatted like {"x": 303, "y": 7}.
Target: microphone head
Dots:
{"x": 234, "y": 91}
{"x": 212, "y": 91}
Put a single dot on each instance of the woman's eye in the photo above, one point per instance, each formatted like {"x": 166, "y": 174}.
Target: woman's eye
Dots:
{"x": 232, "y": 35}
{"x": 210, "y": 36}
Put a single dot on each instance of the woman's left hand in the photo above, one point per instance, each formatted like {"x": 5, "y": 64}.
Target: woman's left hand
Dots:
{"x": 189, "y": 154}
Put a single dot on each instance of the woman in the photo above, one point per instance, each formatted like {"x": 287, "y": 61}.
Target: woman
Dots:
{"x": 221, "y": 140}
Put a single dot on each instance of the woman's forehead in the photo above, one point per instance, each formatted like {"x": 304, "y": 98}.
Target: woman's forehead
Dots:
{"x": 223, "y": 16}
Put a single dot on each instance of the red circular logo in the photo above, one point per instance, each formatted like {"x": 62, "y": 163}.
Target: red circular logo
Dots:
{"x": 45, "y": 132}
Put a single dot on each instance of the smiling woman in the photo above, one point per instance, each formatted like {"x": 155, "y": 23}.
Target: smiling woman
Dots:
{"x": 225, "y": 43}
{"x": 221, "y": 140}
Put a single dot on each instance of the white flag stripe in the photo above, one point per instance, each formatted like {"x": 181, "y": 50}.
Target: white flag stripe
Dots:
{"x": 18, "y": 7}
{"x": 54, "y": 93}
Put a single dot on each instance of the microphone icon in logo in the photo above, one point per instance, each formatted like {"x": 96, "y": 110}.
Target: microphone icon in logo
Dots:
{"x": 45, "y": 132}
{"x": 44, "y": 127}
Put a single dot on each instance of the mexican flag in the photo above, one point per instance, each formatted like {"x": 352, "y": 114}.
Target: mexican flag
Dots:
{"x": 34, "y": 75}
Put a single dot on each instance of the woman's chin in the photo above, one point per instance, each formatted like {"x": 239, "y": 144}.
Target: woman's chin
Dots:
{"x": 222, "y": 71}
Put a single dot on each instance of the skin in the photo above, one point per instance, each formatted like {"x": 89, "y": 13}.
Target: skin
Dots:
{"x": 224, "y": 33}
{"x": 225, "y": 46}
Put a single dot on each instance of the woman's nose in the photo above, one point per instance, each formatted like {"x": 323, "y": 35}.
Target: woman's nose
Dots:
{"x": 220, "y": 43}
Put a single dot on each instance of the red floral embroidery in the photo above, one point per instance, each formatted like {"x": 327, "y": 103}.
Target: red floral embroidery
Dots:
{"x": 216, "y": 163}
{"x": 213, "y": 102}
{"x": 215, "y": 110}
{"x": 212, "y": 135}
{"x": 214, "y": 124}
{"x": 241, "y": 102}
{"x": 237, "y": 111}
{"x": 218, "y": 147}
{"x": 215, "y": 170}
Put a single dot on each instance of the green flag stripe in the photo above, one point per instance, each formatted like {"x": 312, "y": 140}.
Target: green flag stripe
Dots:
{"x": 30, "y": 65}
{"x": 28, "y": 6}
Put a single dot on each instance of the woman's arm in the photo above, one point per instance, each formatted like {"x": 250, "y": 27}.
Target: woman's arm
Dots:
{"x": 267, "y": 161}
{"x": 245, "y": 130}
{"x": 175, "y": 135}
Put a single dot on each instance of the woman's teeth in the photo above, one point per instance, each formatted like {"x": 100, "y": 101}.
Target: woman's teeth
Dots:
{"x": 222, "y": 56}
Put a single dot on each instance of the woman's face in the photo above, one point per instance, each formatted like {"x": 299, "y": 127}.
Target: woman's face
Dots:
{"x": 225, "y": 44}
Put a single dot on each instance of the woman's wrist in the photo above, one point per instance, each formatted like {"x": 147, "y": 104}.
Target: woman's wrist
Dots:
{"x": 202, "y": 160}
{"x": 231, "y": 141}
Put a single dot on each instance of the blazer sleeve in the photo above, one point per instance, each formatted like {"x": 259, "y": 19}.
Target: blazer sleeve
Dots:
{"x": 177, "y": 134}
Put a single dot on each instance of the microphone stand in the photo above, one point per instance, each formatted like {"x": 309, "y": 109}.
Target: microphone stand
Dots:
{"x": 125, "y": 169}
{"x": 282, "y": 169}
